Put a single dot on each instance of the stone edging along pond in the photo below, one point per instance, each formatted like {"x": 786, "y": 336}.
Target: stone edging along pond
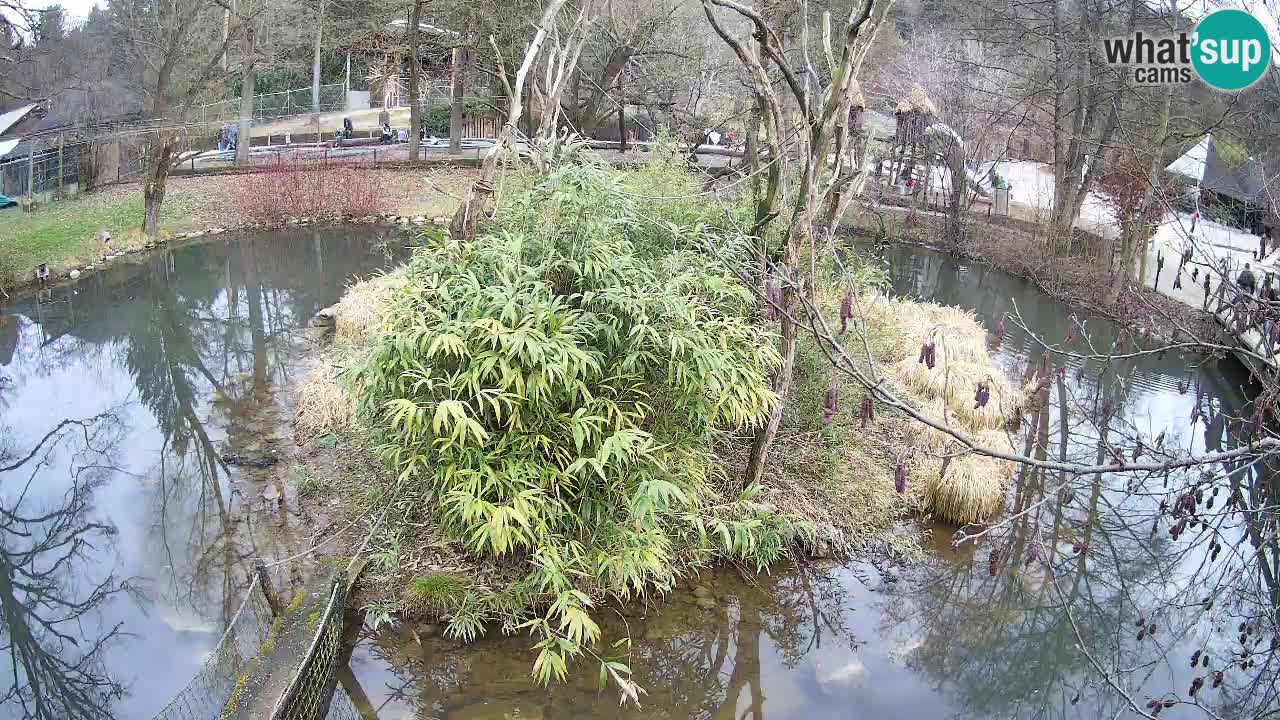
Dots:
{"x": 389, "y": 219}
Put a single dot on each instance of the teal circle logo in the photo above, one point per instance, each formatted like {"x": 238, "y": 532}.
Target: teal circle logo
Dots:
{"x": 1231, "y": 50}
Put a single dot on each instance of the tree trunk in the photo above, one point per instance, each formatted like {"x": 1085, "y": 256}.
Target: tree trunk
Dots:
{"x": 159, "y": 157}
{"x": 415, "y": 71}
{"x": 955, "y": 204}
{"x": 765, "y": 436}
{"x": 315, "y": 71}
{"x": 456, "y": 80}
{"x": 475, "y": 203}
{"x": 796, "y": 280}
{"x": 622, "y": 127}
{"x": 244, "y": 141}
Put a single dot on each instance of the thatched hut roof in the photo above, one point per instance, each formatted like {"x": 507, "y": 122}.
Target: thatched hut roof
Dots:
{"x": 916, "y": 101}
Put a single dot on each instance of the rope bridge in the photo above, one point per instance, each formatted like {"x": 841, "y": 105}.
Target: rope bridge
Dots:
{"x": 273, "y": 662}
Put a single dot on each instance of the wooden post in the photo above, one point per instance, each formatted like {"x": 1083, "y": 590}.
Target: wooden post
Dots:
{"x": 61, "y": 167}
{"x": 264, "y": 581}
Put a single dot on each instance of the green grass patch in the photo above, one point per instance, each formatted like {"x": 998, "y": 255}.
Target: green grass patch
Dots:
{"x": 63, "y": 233}
{"x": 233, "y": 702}
{"x": 434, "y": 594}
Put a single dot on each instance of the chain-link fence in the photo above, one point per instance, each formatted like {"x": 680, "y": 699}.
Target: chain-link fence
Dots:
{"x": 42, "y": 170}
{"x": 269, "y": 106}
{"x": 342, "y": 707}
{"x": 309, "y": 694}
{"x": 208, "y": 693}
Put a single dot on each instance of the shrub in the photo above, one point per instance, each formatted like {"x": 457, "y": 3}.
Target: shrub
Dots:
{"x": 435, "y": 594}
{"x": 553, "y": 390}
{"x": 310, "y": 189}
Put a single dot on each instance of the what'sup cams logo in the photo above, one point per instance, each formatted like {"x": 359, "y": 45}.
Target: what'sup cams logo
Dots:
{"x": 1228, "y": 51}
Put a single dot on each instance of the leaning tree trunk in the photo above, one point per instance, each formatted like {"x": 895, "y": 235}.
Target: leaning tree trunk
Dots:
{"x": 796, "y": 280}
{"x": 159, "y": 161}
{"x": 797, "y": 237}
{"x": 475, "y": 203}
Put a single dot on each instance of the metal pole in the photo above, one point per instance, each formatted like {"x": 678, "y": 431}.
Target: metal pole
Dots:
{"x": 31, "y": 172}
{"x": 61, "y": 167}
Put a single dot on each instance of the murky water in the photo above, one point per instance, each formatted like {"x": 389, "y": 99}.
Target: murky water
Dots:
{"x": 124, "y": 538}
{"x": 120, "y": 526}
{"x": 950, "y": 637}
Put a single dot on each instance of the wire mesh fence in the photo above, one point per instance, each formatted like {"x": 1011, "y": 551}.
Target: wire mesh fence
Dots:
{"x": 342, "y": 707}
{"x": 270, "y": 106}
{"x": 310, "y": 693}
{"x": 52, "y": 170}
{"x": 208, "y": 693}
{"x": 42, "y": 170}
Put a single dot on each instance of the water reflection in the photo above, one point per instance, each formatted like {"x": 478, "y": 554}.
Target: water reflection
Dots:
{"x": 1038, "y": 619}
{"x": 192, "y": 353}
{"x": 50, "y": 592}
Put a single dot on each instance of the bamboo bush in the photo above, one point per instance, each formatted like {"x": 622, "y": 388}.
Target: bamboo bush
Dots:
{"x": 553, "y": 392}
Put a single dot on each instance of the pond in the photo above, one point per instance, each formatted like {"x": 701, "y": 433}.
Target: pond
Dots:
{"x": 125, "y": 539}
{"x": 123, "y": 527}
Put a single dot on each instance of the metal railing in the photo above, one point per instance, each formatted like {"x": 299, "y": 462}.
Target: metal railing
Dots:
{"x": 310, "y": 692}
{"x": 214, "y": 685}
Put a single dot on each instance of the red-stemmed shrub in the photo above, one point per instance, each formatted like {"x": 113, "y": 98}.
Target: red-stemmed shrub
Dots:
{"x": 310, "y": 189}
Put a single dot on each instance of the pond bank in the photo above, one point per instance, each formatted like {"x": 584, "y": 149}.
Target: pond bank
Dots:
{"x": 1012, "y": 248}
{"x": 64, "y": 234}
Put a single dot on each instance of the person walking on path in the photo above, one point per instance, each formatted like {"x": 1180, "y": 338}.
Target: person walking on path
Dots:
{"x": 1247, "y": 282}
{"x": 1206, "y": 290}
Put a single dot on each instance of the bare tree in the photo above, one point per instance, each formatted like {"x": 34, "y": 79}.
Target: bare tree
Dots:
{"x": 818, "y": 210}
{"x": 178, "y": 46}
{"x": 478, "y": 198}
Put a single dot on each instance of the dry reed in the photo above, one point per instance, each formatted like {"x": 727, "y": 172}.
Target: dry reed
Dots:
{"x": 324, "y": 405}
{"x": 958, "y": 487}
{"x": 363, "y": 307}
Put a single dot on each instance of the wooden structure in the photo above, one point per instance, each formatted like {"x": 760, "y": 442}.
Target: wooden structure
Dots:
{"x": 914, "y": 114}
{"x": 1238, "y": 313}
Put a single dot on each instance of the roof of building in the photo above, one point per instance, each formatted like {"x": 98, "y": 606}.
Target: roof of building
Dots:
{"x": 1206, "y": 164}
{"x": 7, "y": 146}
{"x": 12, "y": 117}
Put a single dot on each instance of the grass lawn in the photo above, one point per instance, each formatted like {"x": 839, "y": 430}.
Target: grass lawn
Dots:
{"x": 64, "y": 233}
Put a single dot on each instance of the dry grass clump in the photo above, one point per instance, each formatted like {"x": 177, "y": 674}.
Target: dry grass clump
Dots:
{"x": 363, "y": 306}
{"x": 324, "y": 405}
{"x": 964, "y": 488}
{"x": 842, "y": 481}
{"x": 971, "y": 488}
